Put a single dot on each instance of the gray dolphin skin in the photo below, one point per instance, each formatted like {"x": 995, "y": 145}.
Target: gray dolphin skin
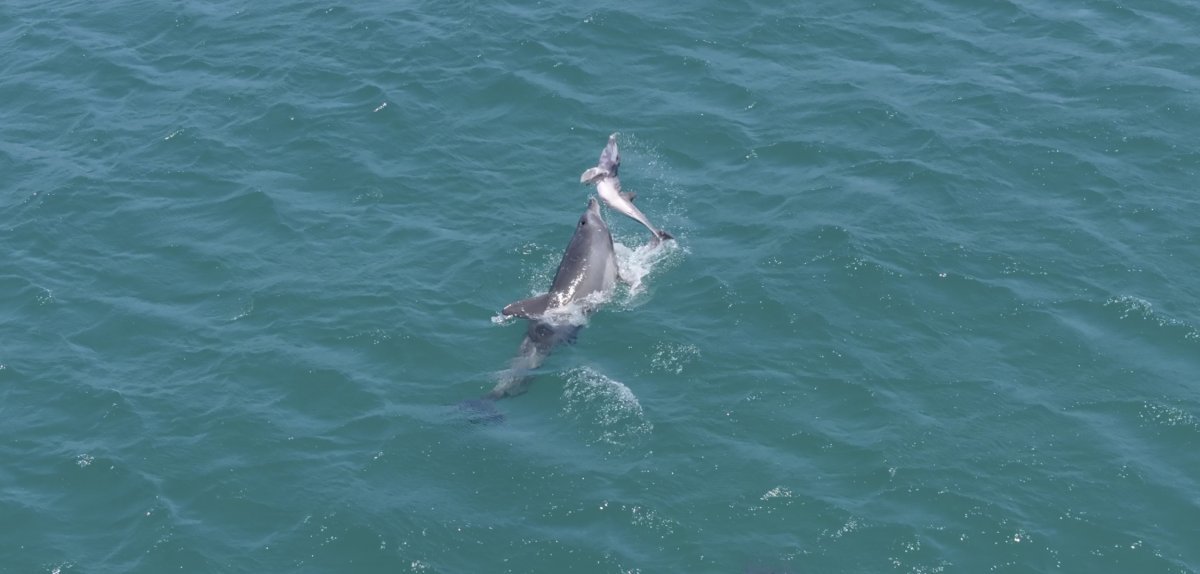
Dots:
{"x": 608, "y": 186}
{"x": 588, "y": 267}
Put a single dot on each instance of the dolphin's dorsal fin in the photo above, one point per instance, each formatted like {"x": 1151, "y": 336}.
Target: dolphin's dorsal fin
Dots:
{"x": 531, "y": 307}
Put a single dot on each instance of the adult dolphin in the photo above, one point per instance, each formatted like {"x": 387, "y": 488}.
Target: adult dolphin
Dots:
{"x": 586, "y": 274}
{"x": 608, "y": 186}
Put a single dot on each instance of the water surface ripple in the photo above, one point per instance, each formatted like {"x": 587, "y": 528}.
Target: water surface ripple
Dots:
{"x": 933, "y": 306}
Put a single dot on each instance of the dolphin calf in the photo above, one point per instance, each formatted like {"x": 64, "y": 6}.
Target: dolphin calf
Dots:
{"x": 586, "y": 274}
{"x": 608, "y": 186}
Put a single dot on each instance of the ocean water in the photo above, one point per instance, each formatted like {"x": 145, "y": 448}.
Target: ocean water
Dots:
{"x": 933, "y": 305}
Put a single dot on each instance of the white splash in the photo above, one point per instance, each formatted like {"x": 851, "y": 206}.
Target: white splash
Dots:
{"x": 637, "y": 263}
{"x": 573, "y": 313}
{"x": 777, "y": 492}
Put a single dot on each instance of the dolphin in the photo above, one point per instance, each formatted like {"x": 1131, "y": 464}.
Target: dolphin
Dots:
{"x": 608, "y": 186}
{"x": 586, "y": 274}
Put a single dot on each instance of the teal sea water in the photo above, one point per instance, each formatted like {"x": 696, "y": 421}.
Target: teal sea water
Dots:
{"x": 933, "y": 306}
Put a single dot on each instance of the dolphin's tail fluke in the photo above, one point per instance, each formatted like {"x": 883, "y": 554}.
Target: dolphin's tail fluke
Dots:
{"x": 481, "y": 411}
{"x": 659, "y": 237}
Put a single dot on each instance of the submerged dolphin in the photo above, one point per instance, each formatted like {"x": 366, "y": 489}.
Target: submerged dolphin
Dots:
{"x": 608, "y": 186}
{"x": 587, "y": 272}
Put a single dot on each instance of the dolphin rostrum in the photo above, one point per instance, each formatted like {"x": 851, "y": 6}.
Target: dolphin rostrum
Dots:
{"x": 586, "y": 274}
{"x": 608, "y": 186}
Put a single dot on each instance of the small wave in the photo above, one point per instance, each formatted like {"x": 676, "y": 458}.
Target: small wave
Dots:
{"x": 777, "y": 492}
{"x": 608, "y": 405}
{"x": 1168, "y": 416}
{"x": 1132, "y": 307}
{"x": 245, "y": 311}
